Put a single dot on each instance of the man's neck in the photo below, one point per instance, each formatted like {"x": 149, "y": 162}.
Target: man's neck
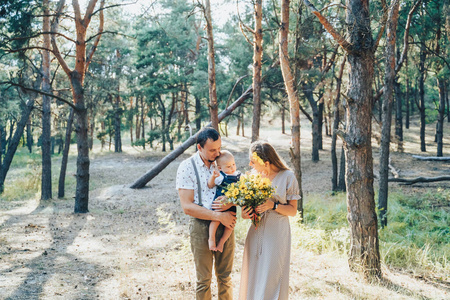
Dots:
{"x": 205, "y": 161}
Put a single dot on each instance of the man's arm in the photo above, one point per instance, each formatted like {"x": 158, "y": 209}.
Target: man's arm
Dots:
{"x": 228, "y": 219}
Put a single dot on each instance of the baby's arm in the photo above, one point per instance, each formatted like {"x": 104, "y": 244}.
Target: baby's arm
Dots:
{"x": 211, "y": 180}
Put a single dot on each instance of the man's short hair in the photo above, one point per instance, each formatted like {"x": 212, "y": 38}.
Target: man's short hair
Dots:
{"x": 206, "y": 134}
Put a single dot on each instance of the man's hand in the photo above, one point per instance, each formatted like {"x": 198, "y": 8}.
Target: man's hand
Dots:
{"x": 228, "y": 219}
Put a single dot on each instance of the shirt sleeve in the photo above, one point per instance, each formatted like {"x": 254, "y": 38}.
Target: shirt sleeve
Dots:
{"x": 185, "y": 176}
{"x": 292, "y": 189}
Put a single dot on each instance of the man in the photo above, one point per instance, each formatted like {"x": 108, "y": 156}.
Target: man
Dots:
{"x": 197, "y": 201}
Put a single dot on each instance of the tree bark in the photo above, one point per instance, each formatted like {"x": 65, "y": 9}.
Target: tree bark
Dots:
{"x": 407, "y": 100}
{"x": 336, "y": 120}
{"x": 213, "y": 105}
{"x": 423, "y": 56}
{"x": 341, "y": 183}
{"x": 420, "y": 179}
{"x": 294, "y": 106}
{"x": 144, "y": 179}
{"x": 1, "y": 152}
{"x": 364, "y": 253}
{"x": 76, "y": 77}
{"x": 46, "y": 178}
{"x": 389, "y": 79}
{"x": 198, "y": 113}
{"x": 29, "y": 137}
{"x": 117, "y": 125}
{"x": 441, "y": 116}
{"x": 14, "y": 141}
{"x": 307, "y": 91}
{"x": 257, "y": 65}
{"x": 65, "y": 156}
{"x": 364, "y": 247}
{"x": 398, "y": 116}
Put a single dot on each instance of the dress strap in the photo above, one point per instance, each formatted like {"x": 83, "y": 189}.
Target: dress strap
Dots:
{"x": 199, "y": 187}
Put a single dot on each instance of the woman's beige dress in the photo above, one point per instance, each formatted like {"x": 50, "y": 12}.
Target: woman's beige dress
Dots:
{"x": 267, "y": 250}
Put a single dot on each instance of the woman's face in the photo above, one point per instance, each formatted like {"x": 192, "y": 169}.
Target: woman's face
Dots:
{"x": 256, "y": 165}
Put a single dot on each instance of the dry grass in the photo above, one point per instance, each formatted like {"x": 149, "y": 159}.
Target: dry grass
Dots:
{"x": 134, "y": 244}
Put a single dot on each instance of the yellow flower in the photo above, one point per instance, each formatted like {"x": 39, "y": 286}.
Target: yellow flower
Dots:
{"x": 257, "y": 158}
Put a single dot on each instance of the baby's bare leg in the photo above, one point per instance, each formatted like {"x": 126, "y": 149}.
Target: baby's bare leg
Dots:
{"x": 226, "y": 234}
{"x": 212, "y": 235}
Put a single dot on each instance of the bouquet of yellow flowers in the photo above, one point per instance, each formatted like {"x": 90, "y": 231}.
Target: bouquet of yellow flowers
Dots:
{"x": 249, "y": 192}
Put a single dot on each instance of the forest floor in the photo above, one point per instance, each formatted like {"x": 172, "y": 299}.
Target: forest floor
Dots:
{"x": 134, "y": 244}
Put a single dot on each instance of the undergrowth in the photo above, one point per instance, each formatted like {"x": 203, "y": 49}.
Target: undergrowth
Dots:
{"x": 416, "y": 239}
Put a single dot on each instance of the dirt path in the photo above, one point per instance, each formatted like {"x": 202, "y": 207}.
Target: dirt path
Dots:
{"x": 133, "y": 244}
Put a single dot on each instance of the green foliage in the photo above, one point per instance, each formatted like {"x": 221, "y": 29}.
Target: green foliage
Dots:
{"x": 417, "y": 236}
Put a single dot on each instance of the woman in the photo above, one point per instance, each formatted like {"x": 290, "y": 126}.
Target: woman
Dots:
{"x": 265, "y": 266}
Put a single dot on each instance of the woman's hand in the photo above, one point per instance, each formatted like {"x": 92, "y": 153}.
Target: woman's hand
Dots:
{"x": 264, "y": 207}
{"x": 217, "y": 205}
{"x": 246, "y": 213}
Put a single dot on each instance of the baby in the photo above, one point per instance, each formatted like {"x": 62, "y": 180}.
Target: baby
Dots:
{"x": 227, "y": 175}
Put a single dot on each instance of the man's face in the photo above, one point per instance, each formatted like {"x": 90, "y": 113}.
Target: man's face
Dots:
{"x": 211, "y": 150}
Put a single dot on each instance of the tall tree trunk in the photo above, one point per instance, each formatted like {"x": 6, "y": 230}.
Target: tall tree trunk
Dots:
{"x": 283, "y": 120}
{"x": 341, "y": 182}
{"x": 213, "y": 105}
{"x": 448, "y": 105}
{"x": 65, "y": 156}
{"x": 198, "y": 114}
{"x": 364, "y": 246}
{"x": 407, "y": 100}
{"x": 142, "y": 123}
{"x": 46, "y": 182}
{"x": 294, "y": 105}
{"x": 163, "y": 123}
{"x": 364, "y": 253}
{"x": 14, "y": 141}
{"x": 138, "y": 124}
{"x": 441, "y": 116}
{"x": 29, "y": 137}
{"x": 76, "y": 77}
{"x": 398, "y": 116}
{"x": 389, "y": 80}
{"x": 336, "y": 120}
{"x": 242, "y": 122}
{"x": 307, "y": 91}
{"x": 131, "y": 121}
{"x": 422, "y": 96}
{"x": 1, "y": 152}
{"x": 117, "y": 125}
{"x": 83, "y": 161}
{"x": 257, "y": 64}
{"x": 320, "y": 123}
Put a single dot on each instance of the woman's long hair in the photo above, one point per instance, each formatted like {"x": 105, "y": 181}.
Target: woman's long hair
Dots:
{"x": 267, "y": 153}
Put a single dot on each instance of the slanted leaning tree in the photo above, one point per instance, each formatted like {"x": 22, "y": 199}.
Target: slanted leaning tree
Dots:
{"x": 364, "y": 253}
{"x": 76, "y": 77}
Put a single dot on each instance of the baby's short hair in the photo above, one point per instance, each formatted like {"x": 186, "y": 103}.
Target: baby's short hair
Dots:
{"x": 224, "y": 156}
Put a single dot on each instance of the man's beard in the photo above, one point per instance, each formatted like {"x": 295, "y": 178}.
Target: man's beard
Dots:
{"x": 211, "y": 161}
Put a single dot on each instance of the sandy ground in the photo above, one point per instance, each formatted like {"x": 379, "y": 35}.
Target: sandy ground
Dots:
{"x": 134, "y": 244}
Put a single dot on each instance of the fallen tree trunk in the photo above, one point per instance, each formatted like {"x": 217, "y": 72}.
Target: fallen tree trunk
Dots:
{"x": 144, "y": 179}
{"x": 419, "y": 179}
{"x": 435, "y": 158}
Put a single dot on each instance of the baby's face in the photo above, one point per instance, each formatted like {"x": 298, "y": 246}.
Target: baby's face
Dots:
{"x": 228, "y": 166}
